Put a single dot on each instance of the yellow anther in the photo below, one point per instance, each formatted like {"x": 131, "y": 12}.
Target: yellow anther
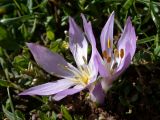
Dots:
{"x": 109, "y": 43}
{"x": 116, "y": 53}
{"x": 122, "y": 53}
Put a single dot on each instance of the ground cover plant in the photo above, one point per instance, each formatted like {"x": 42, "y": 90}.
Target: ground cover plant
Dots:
{"x": 135, "y": 94}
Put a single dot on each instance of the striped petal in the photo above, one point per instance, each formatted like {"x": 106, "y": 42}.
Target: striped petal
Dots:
{"x": 78, "y": 43}
{"x": 89, "y": 33}
{"x": 101, "y": 67}
{"x": 107, "y": 35}
{"x": 49, "y": 88}
{"x": 67, "y": 92}
{"x": 97, "y": 94}
{"x": 51, "y": 62}
{"x": 127, "y": 42}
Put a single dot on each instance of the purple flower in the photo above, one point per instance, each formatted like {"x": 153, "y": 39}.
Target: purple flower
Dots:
{"x": 116, "y": 58}
{"x": 73, "y": 79}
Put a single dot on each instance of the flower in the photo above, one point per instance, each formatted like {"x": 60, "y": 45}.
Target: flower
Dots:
{"x": 73, "y": 79}
{"x": 116, "y": 58}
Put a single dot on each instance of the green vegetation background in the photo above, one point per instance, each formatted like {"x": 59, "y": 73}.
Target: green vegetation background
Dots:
{"x": 134, "y": 96}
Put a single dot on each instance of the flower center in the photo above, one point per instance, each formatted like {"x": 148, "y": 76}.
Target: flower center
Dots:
{"x": 84, "y": 76}
{"x": 81, "y": 75}
{"x": 112, "y": 62}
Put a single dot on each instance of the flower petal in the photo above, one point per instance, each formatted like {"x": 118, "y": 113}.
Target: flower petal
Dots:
{"x": 107, "y": 83}
{"x": 97, "y": 94}
{"x": 67, "y": 92}
{"x": 128, "y": 36}
{"x": 127, "y": 42}
{"x": 107, "y": 35}
{"x": 51, "y": 62}
{"x": 89, "y": 33}
{"x": 78, "y": 43}
{"x": 133, "y": 41}
{"x": 101, "y": 68}
{"x": 124, "y": 63}
{"x": 49, "y": 88}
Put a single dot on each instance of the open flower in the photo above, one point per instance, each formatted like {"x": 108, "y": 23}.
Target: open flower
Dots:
{"x": 116, "y": 58}
{"x": 73, "y": 79}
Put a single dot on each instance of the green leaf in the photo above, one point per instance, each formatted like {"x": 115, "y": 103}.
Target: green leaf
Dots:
{"x": 146, "y": 40}
{"x": 54, "y": 116}
{"x": 10, "y": 115}
{"x": 55, "y": 45}
{"x": 20, "y": 114}
{"x": 5, "y": 83}
{"x": 16, "y": 19}
{"x": 30, "y": 5}
{"x": 43, "y": 116}
{"x": 50, "y": 35}
{"x": 6, "y": 41}
{"x": 157, "y": 51}
{"x": 154, "y": 15}
{"x": 20, "y": 62}
{"x": 65, "y": 113}
{"x": 127, "y": 5}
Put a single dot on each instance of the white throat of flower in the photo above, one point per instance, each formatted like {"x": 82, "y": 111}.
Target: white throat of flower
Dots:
{"x": 81, "y": 75}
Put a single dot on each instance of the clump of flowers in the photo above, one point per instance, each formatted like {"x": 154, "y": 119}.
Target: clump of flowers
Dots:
{"x": 113, "y": 62}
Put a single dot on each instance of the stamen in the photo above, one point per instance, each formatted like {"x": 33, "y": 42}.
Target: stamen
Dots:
{"x": 108, "y": 59}
{"x": 116, "y": 53}
{"x": 84, "y": 59}
{"x": 122, "y": 53}
{"x": 105, "y": 55}
{"x": 109, "y": 43}
{"x": 67, "y": 68}
{"x": 114, "y": 65}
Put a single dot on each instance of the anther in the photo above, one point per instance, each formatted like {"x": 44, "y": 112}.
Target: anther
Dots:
{"x": 109, "y": 43}
{"x": 108, "y": 59}
{"x": 122, "y": 53}
{"x": 84, "y": 59}
{"x": 114, "y": 65}
{"x": 116, "y": 53}
{"x": 105, "y": 55}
